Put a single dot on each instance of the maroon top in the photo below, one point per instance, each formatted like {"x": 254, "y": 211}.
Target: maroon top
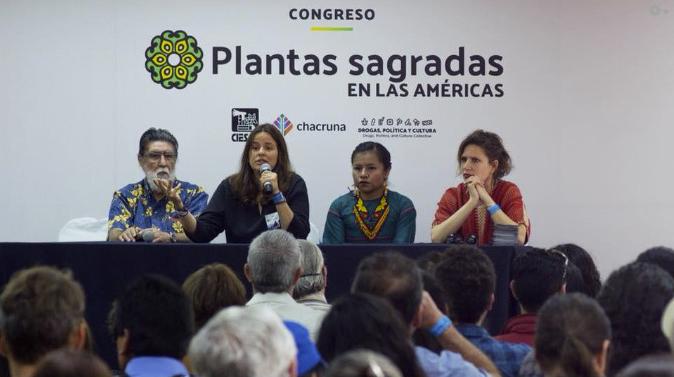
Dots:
{"x": 506, "y": 194}
{"x": 519, "y": 329}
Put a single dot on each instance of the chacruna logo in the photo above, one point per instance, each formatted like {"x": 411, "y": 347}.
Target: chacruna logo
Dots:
{"x": 283, "y": 124}
{"x": 173, "y": 59}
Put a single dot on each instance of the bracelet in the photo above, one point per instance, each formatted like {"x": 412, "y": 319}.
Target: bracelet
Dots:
{"x": 492, "y": 209}
{"x": 177, "y": 215}
{"x": 440, "y": 326}
{"x": 173, "y": 237}
{"x": 278, "y": 198}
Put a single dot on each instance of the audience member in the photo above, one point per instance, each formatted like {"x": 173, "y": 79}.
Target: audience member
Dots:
{"x": 212, "y": 288}
{"x": 583, "y": 260}
{"x": 574, "y": 279}
{"x": 42, "y": 309}
{"x": 661, "y": 365}
{"x": 422, "y": 337}
{"x": 667, "y": 323}
{"x": 309, "y": 361}
{"x": 428, "y": 261}
{"x": 71, "y": 363}
{"x": 151, "y": 323}
{"x": 273, "y": 267}
{"x": 634, "y": 298}
{"x": 469, "y": 280}
{"x": 572, "y": 337}
{"x": 365, "y": 321}
{"x": 244, "y": 342}
{"x": 660, "y": 256}
{"x": 398, "y": 279}
{"x": 362, "y": 363}
{"x": 536, "y": 275}
{"x": 310, "y": 289}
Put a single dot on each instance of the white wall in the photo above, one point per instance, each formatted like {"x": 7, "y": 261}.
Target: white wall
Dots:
{"x": 586, "y": 113}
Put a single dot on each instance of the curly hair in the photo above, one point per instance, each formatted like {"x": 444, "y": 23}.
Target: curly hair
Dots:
{"x": 492, "y": 145}
{"x": 583, "y": 260}
{"x": 393, "y": 276}
{"x": 634, "y": 298}
{"x": 537, "y": 274}
{"x": 661, "y": 256}
{"x": 468, "y": 279}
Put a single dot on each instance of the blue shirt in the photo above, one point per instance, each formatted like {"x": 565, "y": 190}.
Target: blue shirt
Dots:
{"x": 134, "y": 205}
{"x": 155, "y": 366}
{"x": 446, "y": 364}
{"x": 506, "y": 356}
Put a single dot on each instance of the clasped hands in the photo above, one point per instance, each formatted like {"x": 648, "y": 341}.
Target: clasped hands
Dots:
{"x": 478, "y": 193}
{"x": 135, "y": 233}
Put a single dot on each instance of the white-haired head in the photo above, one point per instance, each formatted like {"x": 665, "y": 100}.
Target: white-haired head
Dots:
{"x": 274, "y": 262}
{"x": 244, "y": 342}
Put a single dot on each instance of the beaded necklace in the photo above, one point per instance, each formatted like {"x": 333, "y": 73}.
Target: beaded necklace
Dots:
{"x": 380, "y": 213}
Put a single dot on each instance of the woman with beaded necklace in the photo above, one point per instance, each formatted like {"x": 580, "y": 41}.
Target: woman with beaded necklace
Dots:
{"x": 470, "y": 210}
{"x": 371, "y": 212}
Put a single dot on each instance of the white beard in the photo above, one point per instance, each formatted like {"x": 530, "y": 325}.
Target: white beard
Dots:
{"x": 162, "y": 173}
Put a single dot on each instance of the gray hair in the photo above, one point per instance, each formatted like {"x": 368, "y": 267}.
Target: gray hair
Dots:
{"x": 312, "y": 279}
{"x": 362, "y": 363}
{"x": 273, "y": 258}
{"x": 243, "y": 342}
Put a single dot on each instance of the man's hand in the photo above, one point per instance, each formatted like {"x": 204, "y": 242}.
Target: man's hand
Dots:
{"x": 160, "y": 236}
{"x": 129, "y": 235}
{"x": 171, "y": 193}
{"x": 430, "y": 314}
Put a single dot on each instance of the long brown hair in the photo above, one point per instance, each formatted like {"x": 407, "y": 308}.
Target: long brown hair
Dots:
{"x": 245, "y": 184}
{"x": 570, "y": 331}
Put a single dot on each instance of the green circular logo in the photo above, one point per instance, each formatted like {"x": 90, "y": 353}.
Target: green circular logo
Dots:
{"x": 173, "y": 59}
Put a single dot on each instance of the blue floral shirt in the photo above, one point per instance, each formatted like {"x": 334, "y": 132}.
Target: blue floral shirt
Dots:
{"x": 134, "y": 205}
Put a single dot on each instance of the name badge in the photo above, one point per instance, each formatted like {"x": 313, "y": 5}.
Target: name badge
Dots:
{"x": 273, "y": 221}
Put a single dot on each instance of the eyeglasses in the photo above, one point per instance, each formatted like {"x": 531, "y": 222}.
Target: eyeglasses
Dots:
{"x": 564, "y": 257}
{"x": 156, "y": 156}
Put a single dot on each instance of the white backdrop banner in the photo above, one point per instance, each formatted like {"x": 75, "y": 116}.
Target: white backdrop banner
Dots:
{"x": 580, "y": 91}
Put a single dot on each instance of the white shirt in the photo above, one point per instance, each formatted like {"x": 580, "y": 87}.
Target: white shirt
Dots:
{"x": 288, "y": 309}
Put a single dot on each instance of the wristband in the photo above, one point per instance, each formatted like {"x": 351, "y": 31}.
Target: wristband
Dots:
{"x": 177, "y": 215}
{"x": 173, "y": 237}
{"x": 440, "y": 326}
{"x": 492, "y": 209}
{"x": 278, "y": 198}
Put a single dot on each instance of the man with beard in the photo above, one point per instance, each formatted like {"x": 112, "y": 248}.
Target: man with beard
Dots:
{"x": 140, "y": 211}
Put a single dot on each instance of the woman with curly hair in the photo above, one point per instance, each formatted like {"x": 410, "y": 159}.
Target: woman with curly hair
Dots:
{"x": 470, "y": 210}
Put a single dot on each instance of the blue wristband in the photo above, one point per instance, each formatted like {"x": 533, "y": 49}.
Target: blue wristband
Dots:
{"x": 278, "y": 198}
{"x": 492, "y": 209}
{"x": 440, "y": 326}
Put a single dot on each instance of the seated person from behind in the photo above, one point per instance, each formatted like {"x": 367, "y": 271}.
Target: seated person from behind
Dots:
{"x": 470, "y": 210}
{"x": 468, "y": 278}
{"x": 372, "y": 212}
{"x": 141, "y": 210}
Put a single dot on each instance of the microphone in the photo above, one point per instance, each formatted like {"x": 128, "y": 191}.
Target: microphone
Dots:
{"x": 146, "y": 235}
{"x": 267, "y": 187}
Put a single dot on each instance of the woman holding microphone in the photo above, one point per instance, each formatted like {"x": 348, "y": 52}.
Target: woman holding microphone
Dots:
{"x": 265, "y": 194}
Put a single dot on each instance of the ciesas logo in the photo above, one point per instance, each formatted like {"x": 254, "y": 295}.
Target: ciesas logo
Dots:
{"x": 173, "y": 59}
